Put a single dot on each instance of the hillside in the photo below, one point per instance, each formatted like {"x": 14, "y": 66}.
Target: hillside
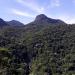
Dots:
{"x": 3, "y": 23}
{"x": 43, "y": 47}
{"x": 10, "y": 23}
{"x": 15, "y": 23}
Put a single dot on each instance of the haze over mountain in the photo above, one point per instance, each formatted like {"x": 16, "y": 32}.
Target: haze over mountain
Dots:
{"x": 39, "y": 20}
{"x": 25, "y": 10}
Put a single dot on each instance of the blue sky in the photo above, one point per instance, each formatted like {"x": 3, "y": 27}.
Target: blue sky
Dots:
{"x": 26, "y": 10}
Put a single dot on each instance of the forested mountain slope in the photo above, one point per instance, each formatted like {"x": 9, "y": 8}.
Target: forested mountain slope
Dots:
{"x": 38, "y": 49}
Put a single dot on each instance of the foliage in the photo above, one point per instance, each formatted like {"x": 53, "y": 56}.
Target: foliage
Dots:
{"x": 37, "y": 50}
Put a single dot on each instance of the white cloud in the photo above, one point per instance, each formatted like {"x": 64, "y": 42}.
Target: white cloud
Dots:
{"x": 41, "y": 10}
{"x": 55, "y": 3}
{"x": 21, "y": 13}
{"x": 71, "y": 21}
{"x": 67, "y": 19}
{"x": 33, "y": 5}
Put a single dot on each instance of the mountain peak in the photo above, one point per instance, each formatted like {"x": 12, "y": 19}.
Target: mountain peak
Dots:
{"x": 15, "y": 23}
{"x": 43, "y": 19}
{"x": 40, "y": 17}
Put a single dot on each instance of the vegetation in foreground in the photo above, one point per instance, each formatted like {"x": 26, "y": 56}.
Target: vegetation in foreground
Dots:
{"x": 37, "y": 50}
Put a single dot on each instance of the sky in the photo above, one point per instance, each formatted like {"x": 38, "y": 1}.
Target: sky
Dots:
{"x": 25, "y": 11}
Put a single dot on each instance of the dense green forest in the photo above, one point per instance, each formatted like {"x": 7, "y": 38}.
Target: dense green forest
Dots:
{"x": 39, "y": 48}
